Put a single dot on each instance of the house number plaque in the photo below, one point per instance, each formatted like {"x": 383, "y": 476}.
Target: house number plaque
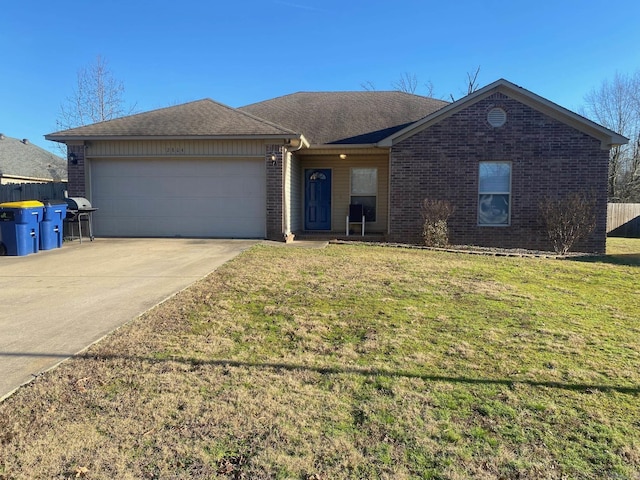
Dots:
{"x": 175, "y": 150}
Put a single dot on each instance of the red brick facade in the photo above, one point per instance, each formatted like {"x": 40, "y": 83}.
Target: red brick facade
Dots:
{"x": 549, "y": 158}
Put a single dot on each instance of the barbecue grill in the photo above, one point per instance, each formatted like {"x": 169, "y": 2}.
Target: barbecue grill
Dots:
{"x": 78, "y": 209}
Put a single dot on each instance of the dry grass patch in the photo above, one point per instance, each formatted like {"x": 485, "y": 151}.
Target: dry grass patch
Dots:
{"x": 352, "y": 362}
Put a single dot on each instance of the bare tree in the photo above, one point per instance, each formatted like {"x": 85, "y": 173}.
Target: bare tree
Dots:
{"x": 97, "y": 97}
{"x": 472, "y": 83}
{"x": 368, "y": 86}
{"x": 408, "y": 83}
{"x": 616, "y": 105}
{"x": 430, "y": 89}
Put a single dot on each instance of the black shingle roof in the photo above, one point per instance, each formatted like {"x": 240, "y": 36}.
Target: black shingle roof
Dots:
{"x": 361, "y": 117}
{"x": 323, "y": 117}
{"x": 202, "y": 118}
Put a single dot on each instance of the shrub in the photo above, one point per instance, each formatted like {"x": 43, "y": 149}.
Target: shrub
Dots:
{"x": 435, "y": 227}
{"x": 568, "y": 219}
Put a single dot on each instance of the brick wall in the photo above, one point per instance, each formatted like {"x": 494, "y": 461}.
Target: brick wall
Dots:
{"x": 275, "y": 182}
{"x": 76, "y": 187}
{"x": 548, "y": 158}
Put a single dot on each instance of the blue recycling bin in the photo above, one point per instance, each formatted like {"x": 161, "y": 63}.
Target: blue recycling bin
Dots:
{"x": 19, "y": 226}
{"x": 51, "y": 230}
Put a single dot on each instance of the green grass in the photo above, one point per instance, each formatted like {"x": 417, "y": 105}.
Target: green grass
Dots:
{"x": 354, "y": 362}
{"x": 624, "y": 251}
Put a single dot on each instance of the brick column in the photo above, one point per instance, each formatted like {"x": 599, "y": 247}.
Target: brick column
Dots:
{"x": 275, "y": 186}
{"x": 75, "y": 170}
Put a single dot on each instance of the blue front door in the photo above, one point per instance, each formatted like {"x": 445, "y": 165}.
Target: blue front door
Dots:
{"x": 317, "y": 197}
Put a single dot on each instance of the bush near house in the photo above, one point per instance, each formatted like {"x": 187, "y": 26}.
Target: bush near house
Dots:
{"x": 568, "y": 219}
{"x": 435, "y": 228}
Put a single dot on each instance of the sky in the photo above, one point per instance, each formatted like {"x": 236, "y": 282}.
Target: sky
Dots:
{"x": 239, "y": 52}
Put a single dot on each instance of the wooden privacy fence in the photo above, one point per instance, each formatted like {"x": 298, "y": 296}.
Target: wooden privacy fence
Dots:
{"x": 16, "y": 192}
{"x": 623, "y": 219}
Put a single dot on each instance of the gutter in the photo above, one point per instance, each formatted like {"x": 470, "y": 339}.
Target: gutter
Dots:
{"x": 85, "y": 138}
{"x": 339, "y": 146}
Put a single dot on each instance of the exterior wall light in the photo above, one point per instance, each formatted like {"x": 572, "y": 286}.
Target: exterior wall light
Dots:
{"x": 73, "y": 159}
{"x": 343, "y": 156}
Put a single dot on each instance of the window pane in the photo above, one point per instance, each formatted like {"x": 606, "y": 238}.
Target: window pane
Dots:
{"x": 368, "y": 205}
{"x": 364, "y": 181}
{"x": 493, "y": 209}
{"x": 495, "y": 177}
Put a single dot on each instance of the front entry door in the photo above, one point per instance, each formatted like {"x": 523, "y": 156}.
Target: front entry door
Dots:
{"x": 317, "y": 186}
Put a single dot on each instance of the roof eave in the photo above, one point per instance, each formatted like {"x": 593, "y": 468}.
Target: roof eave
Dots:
{"x": 28, "y": 178}
{"x": 345, "y": 146}
{"x": 284, "y": 137}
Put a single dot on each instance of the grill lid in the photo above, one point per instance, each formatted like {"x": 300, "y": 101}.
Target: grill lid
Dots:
{"x": 78, "y": 203}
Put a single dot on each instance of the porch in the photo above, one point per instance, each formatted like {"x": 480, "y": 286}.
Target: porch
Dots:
{"x": 322, "y": 185}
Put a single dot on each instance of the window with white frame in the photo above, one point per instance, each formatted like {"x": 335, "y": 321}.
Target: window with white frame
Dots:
{"x": 364, "y": 190}
{"x": 494, "y": 193}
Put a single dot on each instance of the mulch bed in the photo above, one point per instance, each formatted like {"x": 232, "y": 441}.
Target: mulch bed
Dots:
{"x": 475, "y": 250}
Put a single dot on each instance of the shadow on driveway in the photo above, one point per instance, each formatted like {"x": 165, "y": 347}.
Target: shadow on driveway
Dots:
{"x": 57, "y": 302}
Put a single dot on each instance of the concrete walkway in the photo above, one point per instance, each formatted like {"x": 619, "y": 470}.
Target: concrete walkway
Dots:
{"x": 55, "y": 303}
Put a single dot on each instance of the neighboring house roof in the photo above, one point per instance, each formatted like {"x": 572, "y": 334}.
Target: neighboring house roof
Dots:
{"x": 345, "y": 117}
{"x": 199, "y": 119}
{"x": 22, "y": 160}
{"x": 606, "y": 136}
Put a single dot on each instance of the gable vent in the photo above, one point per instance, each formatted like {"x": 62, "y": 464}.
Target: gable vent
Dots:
{"x": 497, "y": 117}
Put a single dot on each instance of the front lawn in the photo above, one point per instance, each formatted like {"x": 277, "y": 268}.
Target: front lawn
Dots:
{"x": 353, "y": 362}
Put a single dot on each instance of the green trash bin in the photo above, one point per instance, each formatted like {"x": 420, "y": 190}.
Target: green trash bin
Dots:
{"x": 19, "y": 227}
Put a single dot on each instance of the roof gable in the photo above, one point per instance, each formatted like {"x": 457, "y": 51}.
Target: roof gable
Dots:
{"x": 200, "y": 119}
{"x": 360, "y": 117}
{"x": 608, "y": 138}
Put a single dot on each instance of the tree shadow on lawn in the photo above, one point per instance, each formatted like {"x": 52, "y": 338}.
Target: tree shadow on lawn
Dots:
{"x": 629, "y": 259}
{"x": 583, "y": 387}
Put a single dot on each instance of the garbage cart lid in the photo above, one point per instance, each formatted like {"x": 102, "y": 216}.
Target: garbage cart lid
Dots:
{"x": 22, "y": 204}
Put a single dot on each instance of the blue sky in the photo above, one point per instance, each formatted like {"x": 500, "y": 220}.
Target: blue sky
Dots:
{"x": 243, "y": 51}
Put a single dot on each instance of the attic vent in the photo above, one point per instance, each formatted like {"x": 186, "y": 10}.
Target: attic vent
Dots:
{"x": 496, "y": 117}
{"x": 1, "y": 136}
{"x": 25, "y": 141}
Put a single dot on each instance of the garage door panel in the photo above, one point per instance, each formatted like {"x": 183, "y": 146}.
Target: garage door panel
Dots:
{"x": 179, "y": 197}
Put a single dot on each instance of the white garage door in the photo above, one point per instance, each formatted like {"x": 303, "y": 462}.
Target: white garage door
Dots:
{"x": 204, "y": 197}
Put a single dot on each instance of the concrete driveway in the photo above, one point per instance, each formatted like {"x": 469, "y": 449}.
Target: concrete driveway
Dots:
{"x": 55, "y": 303}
